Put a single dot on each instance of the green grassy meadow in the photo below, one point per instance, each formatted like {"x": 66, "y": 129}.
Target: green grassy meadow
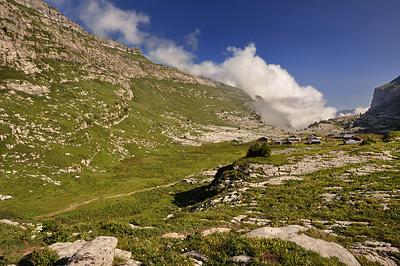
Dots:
{"x": 291, "y": 203}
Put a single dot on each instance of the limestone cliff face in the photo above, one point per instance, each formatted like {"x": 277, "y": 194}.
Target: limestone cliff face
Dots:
{"x": 386, "y": 93}
{"x": 31, "y": 32}
{"x": 384, "y": 113}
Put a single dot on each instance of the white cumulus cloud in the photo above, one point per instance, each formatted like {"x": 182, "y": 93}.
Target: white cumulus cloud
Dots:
{"x": 356, "y": 111}
{"x": 192, "y": 41}
{"x": 280, "y": 100}
{"x": 105, "y": 20}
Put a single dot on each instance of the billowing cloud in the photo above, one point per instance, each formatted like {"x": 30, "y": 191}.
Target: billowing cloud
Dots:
{"x": 105, "y": 20}
{"x": 358, "y": 111}
{"x": 280, "y": 100}
{"x": 192, "y": 41}
{"x": 172, "y": 55}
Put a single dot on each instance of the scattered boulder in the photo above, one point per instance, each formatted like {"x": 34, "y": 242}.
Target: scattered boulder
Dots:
{"x": 174, "y": 235}
{"x": 240, "y": 260}
{"x": 140, "y": 227}
{"x": 99, "y": 252}
{"x": 169, "y": 216}
{"x": 196, "y": 255}
{"x": 215, "y": 230}
{"x": 5, "y": 197}
{"x": 5, "y": 221}
{"x": 29, "y": 88}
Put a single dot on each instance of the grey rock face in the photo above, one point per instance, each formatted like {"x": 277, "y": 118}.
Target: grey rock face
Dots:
{"x": 386, "y": 93}
{"x": 99, "y": 252}
{"x": 384, "y": 113}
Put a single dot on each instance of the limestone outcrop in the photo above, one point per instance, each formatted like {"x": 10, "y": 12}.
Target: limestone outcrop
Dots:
{"x": 293, "y": 233}
{"x": 100, "y": 251}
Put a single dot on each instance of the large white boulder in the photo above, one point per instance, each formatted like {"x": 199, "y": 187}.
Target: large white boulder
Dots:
{"x": 99, "y": 252}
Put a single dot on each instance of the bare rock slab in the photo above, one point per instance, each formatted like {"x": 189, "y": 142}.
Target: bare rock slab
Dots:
{"x": 292, "y": 233}
{"x": 99, "y": 252}
{"x": 66, "y": 250}
{"x": 278, "y": 232}
{"x": 326, "y": 249}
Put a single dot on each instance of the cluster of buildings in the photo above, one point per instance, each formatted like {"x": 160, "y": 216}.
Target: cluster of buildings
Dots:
{"x": 313, "y": 139}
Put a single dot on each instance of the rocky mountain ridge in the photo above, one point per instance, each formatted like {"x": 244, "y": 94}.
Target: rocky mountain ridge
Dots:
{"x": 53, "y": 36}
{"x": 384, "y": 113}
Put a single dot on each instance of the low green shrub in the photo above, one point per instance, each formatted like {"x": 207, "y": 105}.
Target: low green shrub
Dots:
{"x": 259, "y": 150}
{"x": 368, "y": 141}
{"x": 390, "y": 136}
{"x": 55, "y": 232}
{"x": 117, "y": 228}
{"x": 3, "y": 261}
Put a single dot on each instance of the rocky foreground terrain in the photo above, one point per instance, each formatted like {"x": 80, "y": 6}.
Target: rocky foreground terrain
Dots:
{"x": 339, "y": 201}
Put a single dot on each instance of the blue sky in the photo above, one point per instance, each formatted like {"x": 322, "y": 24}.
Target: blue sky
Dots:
{"x": 341, "y": 48}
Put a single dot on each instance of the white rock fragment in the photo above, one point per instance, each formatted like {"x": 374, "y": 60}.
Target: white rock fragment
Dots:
{"x": 3, "y": 197}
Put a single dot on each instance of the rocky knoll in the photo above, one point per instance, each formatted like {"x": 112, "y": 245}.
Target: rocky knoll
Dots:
{"x": 384, "y": 113}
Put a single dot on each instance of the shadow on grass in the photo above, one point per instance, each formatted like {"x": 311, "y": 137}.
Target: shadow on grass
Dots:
{"x": 199, "y": 194}
{"x": 193, "y": 196}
